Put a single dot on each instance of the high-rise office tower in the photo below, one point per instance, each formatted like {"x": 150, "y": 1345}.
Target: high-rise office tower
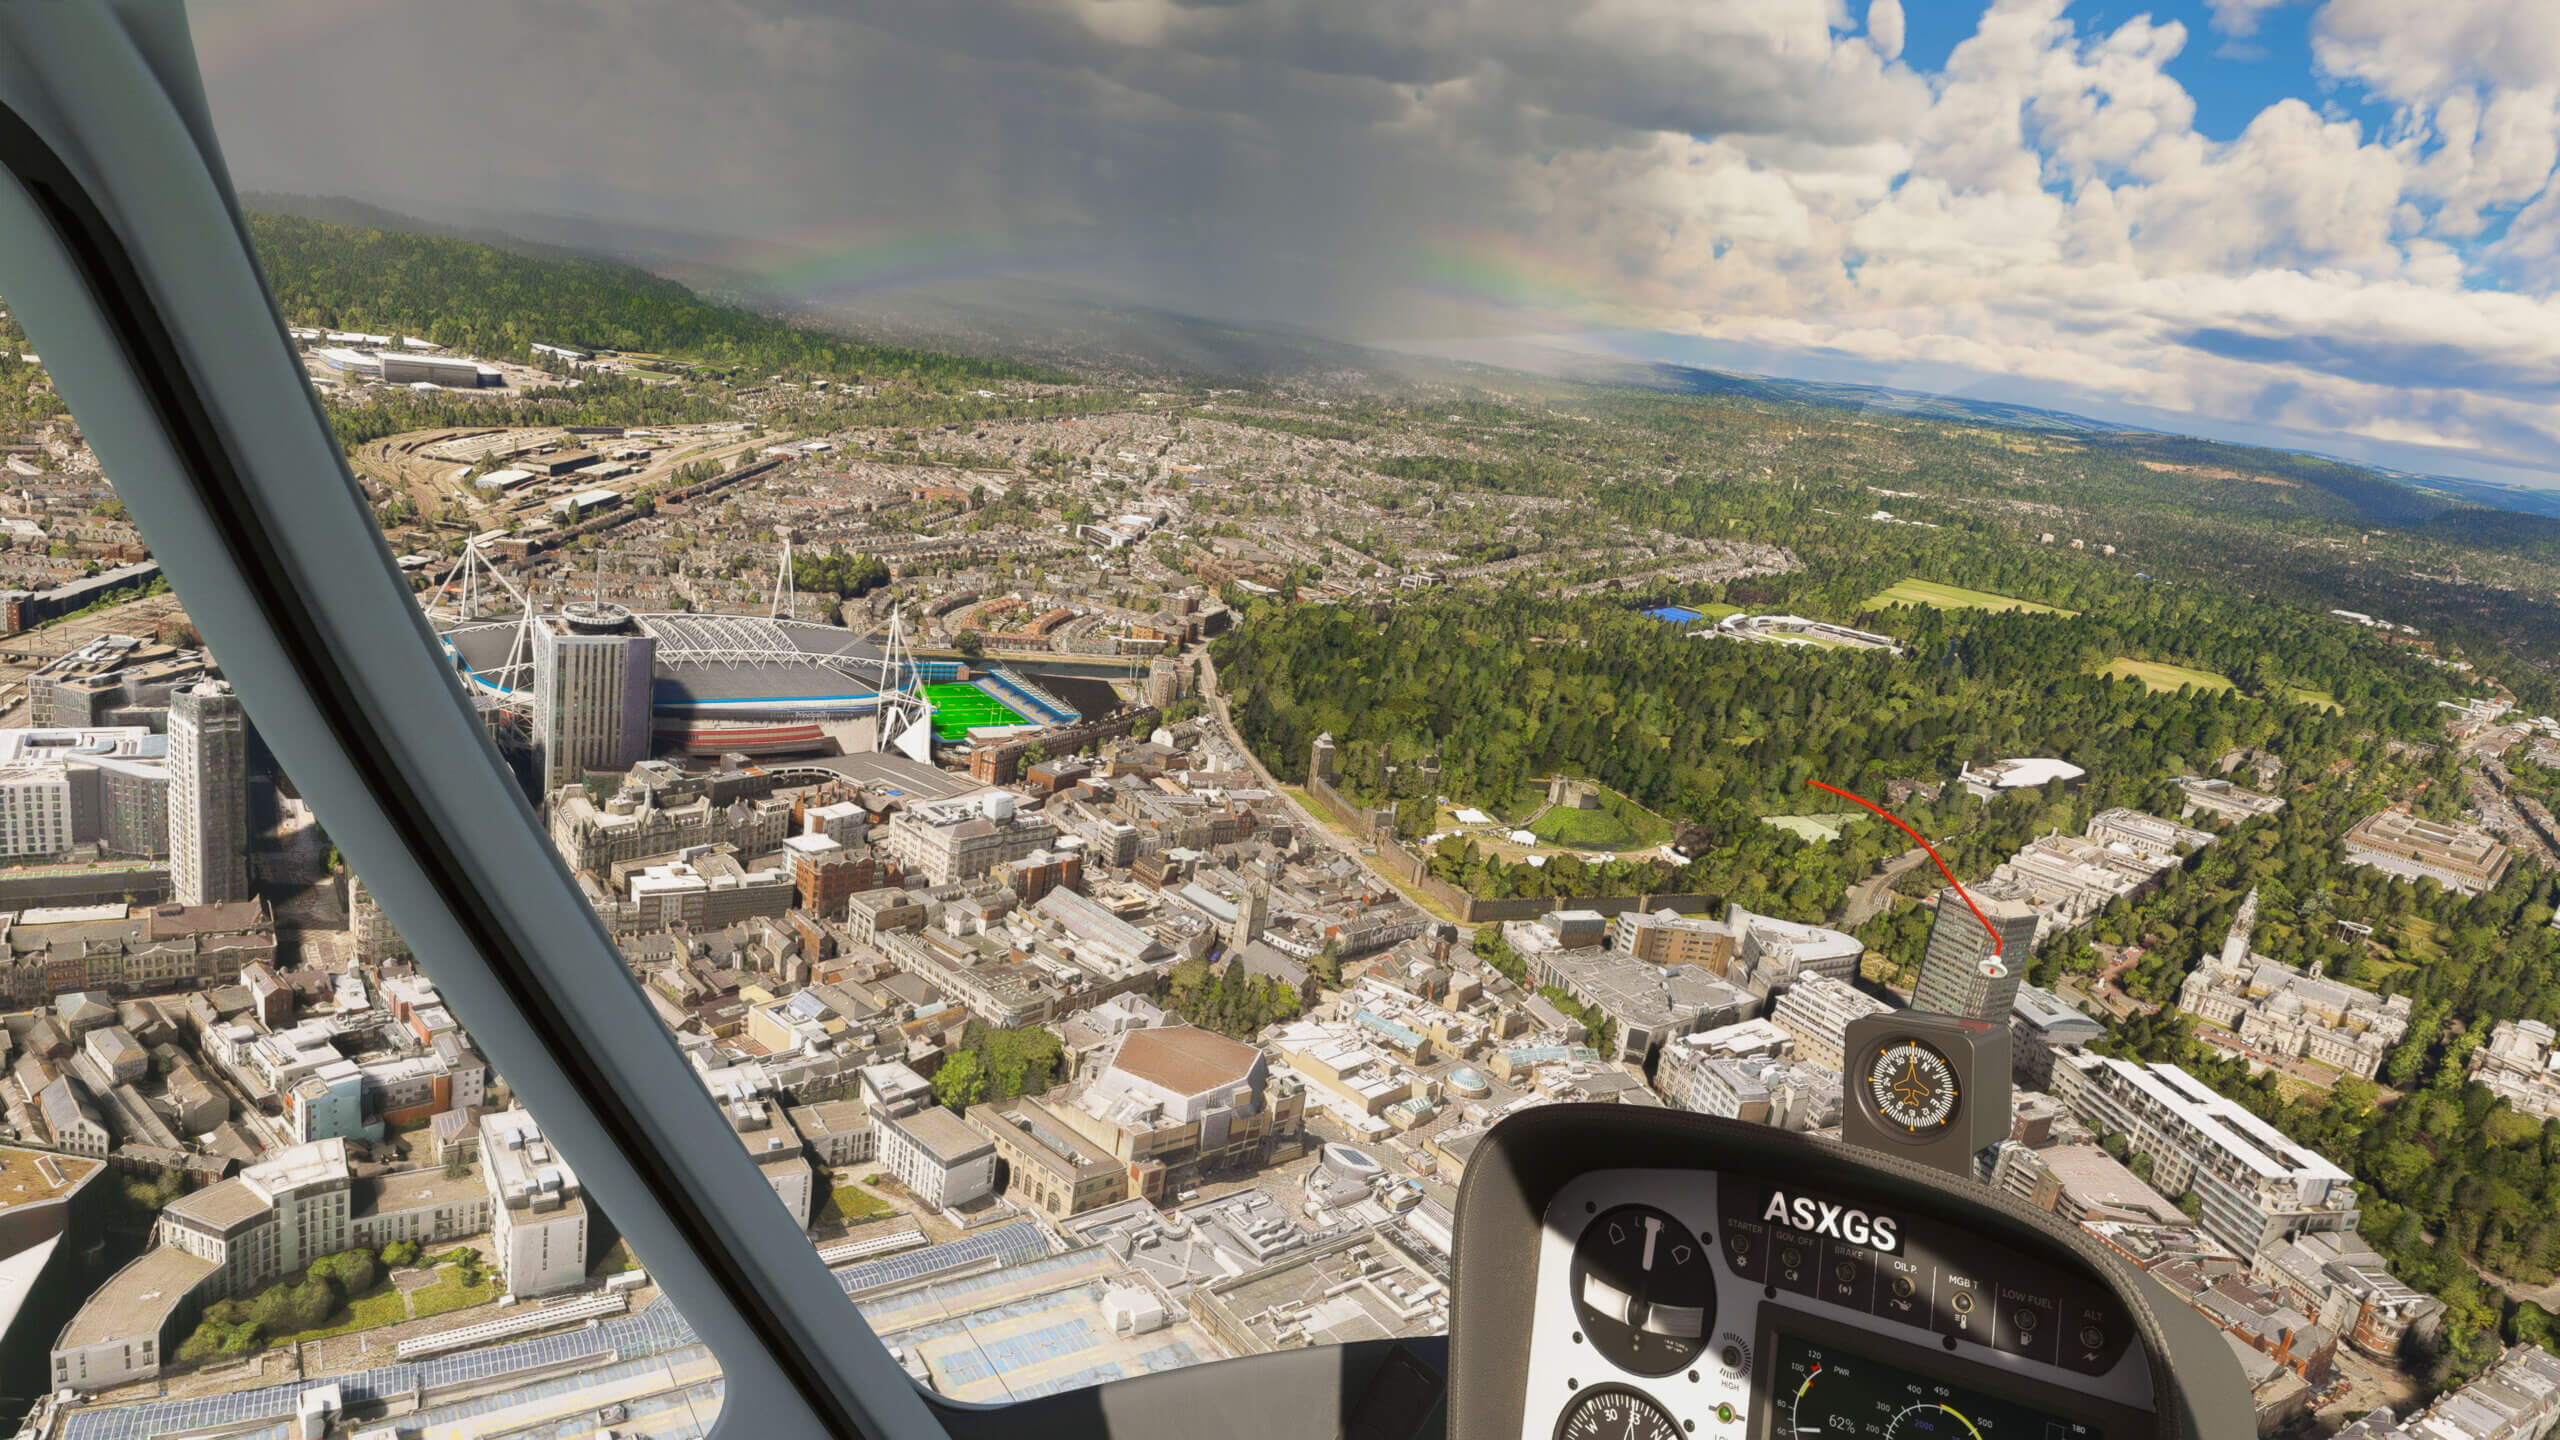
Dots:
{"x": 208, "y": 795}
{"x": 1961, "y": 974}
{"x": 591, "y": 675}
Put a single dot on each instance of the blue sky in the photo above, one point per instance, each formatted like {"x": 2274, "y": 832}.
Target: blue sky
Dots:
{"x": 2231, "y": 77}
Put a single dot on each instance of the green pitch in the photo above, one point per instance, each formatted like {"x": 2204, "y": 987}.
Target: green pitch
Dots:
{"x": 957, "y": 709}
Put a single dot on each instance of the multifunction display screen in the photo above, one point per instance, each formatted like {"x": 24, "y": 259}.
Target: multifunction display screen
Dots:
{"x": 1822, "y": 1391}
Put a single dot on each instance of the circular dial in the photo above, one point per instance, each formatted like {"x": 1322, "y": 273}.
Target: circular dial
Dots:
{"x": 1644, "y": 1290}
{"x": 1615, "y": 1412}
{"x": 1912, "y": 1088}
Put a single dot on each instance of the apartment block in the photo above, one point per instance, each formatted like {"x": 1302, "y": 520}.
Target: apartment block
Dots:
{"x": 2254, "y": 1185}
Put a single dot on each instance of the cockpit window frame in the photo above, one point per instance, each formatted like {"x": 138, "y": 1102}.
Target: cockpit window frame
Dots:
{"x": 123, "y": 251}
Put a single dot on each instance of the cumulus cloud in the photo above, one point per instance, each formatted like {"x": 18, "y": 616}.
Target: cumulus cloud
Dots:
{"x": 2040, "y": 213}
{"x": 1884, "y": 27}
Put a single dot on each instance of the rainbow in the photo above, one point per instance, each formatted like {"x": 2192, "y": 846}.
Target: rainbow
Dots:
{"x": 1495, "y": 271}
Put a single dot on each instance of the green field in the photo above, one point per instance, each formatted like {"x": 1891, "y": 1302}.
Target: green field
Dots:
{"x": 850, "y": 1204}
{"x": 1619, "y": 824}
{"x": 2308, "y": 696}
{"x": 2413, "y": 940}
{"x": 370, "y": 1311}
{"x": 959, "y": 708}
{"x": 451, "y": 1292}
{"x": 1956, "y": 597}
{"x": 2158, "y": 676}
{"x": 1820, "y": 829}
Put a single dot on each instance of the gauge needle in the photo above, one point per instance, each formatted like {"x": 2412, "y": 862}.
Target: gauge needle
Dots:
{"x": 1652, "y": 1231}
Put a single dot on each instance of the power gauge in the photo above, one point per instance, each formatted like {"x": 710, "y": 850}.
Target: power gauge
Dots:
{"x": 1644, "y": 1289}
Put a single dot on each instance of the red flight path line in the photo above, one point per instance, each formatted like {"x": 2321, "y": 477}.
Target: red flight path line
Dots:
{"x": 1933, "y": 854}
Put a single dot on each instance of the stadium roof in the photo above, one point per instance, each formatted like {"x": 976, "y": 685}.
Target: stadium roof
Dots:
{"x": 718, "y": 659}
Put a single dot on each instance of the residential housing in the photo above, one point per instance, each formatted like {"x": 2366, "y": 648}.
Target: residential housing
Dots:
{"x": 2253, "y": 1184}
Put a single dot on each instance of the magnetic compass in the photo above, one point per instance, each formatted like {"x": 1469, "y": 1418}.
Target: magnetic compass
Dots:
{"x": 1913, "y": 1087}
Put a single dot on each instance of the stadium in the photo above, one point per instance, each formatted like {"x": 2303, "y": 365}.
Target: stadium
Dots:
{"x": 749, "y": 684}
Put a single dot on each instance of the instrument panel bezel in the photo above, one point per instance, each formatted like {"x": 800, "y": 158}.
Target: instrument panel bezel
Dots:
{"x": 1523, "y": 1162}
{"x": 2111, "y": 1420}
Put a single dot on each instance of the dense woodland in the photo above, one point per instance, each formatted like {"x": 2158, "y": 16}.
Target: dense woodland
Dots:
{"x": 2241, "y": 524}
{"x": 707, "y": 357}
{"x": 996, "y": 1064}
{"x": 491, "y": 303}
{"x": 1720, "y": 733}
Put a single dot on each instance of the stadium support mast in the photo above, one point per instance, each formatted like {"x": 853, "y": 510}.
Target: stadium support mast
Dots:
{"x": 905, "y": 717}
{"x": 475, "y": 580}
{"x": 786, "y": 594}
{"x": 474, "y": 583}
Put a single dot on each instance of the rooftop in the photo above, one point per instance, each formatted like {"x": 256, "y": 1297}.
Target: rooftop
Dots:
{"x": 136, "y": 1298}
{"x": 2023, "y": 773}
{"x": 981, "y": 1343}
{"x": 221, "y": 1205}
{"x": 416, "y": 1190}
{"x": 1186, "y": 1060}
{"x": 1323, "y": 1297}
{"x": 945, "y": 1135}
{"x": 30, "y": 1176}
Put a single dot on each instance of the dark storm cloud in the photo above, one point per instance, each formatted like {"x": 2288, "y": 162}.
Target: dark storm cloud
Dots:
{"x": 1750, "y": 172}
{"x": 1267, "y": 160}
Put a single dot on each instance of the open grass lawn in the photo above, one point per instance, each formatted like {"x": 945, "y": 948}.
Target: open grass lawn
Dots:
{"x": 2156, "y": 675}
{"x": 2414, "y": 940}
{"x": 2376, "y": 970}
{"x": 370, "y": 1311}
{"x": 1821, "y": 829}
{"x": 1956, "y": 597}
{"x": 851, "y": 1205}
{"x": 2308, "y": 696}
{"x": 1807, "y": 642}
{"x": 450, "y": 1293}
{"x": 1619, "y": 824}
{"x": 1710, "y": 611}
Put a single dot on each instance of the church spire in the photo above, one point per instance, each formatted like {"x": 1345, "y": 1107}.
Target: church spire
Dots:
{"x": 2244, "y": 927}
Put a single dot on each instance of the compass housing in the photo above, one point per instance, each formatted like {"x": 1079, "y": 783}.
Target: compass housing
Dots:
{"x": 1931, "y": 1088}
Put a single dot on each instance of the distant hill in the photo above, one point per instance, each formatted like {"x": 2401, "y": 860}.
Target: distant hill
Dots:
{"x": 377, "y": 269}
{"x": 2456, "y": 508}
{"x": 1915, "y": 403}
{"x": 483, "y": 297}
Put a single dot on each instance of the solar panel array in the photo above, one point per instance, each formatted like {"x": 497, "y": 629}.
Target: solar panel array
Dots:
{"x": 690, "y": 1411}
{"x": 1007, "y": 1244}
